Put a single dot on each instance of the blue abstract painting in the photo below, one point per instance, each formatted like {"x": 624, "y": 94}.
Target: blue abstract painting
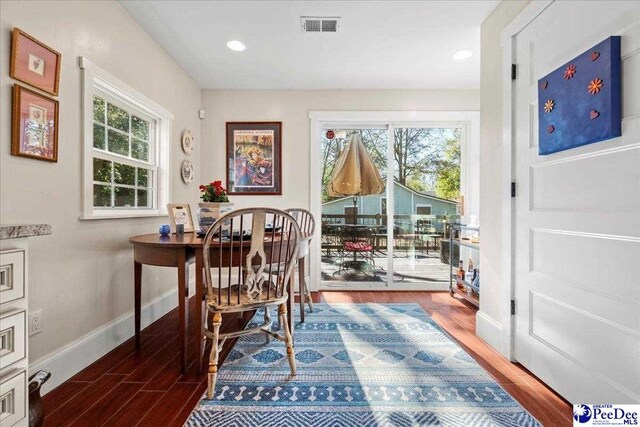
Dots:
{"x": 579, "y": 103}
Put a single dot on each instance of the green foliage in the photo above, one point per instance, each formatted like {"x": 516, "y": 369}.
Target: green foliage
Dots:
{"x": 140, "y": 128}
{"x": 98, "y": 109}
{"x": 132, "y": 134}
{"x": 143, "y": 175}
{"x": 131, "y": 130}
{"x": 214, "y": 192}
{"x": 117, "y": 118}
{"x": 98, "y": 136}
{"x": 448, "y": 173}
{"x": 101, "y": 196}
{"x": 101, "y": 170}
{"x": 139, "y": 149}
{"x": 124, "y": 174}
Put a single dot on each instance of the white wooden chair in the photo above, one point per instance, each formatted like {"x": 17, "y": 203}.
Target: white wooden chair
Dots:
{"x": 307, "y": 224}
{"x": 253, "y": 265}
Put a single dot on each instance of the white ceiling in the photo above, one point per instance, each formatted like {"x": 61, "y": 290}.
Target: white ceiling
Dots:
{"x": 380, "y": 44}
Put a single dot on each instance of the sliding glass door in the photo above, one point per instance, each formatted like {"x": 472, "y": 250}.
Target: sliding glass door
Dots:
{"x": 426, "y": 192}
{"x": 353, "y": 228}
{"x": 393, "y": 239}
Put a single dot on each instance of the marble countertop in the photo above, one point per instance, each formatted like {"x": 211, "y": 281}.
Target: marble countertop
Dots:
{"x": 16, "y": 231}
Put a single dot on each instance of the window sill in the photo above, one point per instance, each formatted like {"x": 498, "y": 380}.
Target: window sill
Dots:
{"x": 122, "y": 215}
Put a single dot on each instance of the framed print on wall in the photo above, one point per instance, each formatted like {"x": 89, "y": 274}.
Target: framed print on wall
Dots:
{"x": 254, "y": 158}
{"x": 34, "y": 125}
{"x": 34, "y": 63}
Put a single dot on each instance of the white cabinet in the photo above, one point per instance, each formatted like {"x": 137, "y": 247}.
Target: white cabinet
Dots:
{"x": 14, "y": 401}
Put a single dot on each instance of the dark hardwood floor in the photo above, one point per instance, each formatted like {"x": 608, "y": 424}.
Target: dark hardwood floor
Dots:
{"x": 146, "y": 388}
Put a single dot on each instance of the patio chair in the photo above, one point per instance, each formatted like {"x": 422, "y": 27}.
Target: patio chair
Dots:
{"x": 328, "y": 237}
{"x": 357, "y": 242}
{"x": 426, "y": 231}
{"x": 256, "y": 275}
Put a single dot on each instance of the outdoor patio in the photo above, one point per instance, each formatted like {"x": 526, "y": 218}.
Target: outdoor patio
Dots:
{"x": 417, "y": 244}
{"x": 411, "y": 268}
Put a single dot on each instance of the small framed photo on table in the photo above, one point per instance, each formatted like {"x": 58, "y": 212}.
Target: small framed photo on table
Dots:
{"x": 34, "y": 125}
{"x": 254, "y": 158}
{"x": 180, "y": 214}
{"x": 34, "y": 63}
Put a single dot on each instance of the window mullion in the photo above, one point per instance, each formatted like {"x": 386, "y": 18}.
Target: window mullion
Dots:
{"x": 113, "y": 188}
{"x": 135, "y": 188}
{"x": 106, "y": 129}
{"x": 116, "y": 184}
{"x": 112, "y": 157}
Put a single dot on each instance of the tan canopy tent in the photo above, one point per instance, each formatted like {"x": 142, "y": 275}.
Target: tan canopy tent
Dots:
{"x": 354, "y": 173}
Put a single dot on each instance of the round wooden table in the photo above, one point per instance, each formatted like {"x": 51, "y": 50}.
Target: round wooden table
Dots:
{"x": 180, "y": 251}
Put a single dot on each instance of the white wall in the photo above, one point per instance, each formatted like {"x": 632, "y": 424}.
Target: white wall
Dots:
{"x": 82, "y": 276}
{"x": 292, "y": 108}
{"x": 491, "y": 192}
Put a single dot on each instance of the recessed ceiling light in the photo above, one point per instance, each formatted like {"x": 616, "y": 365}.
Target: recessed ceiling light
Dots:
{"x": 236, "y": 45}
{"x": 463, "y": 54}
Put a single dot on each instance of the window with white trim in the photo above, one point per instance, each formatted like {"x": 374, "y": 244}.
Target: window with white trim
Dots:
{"x": 424, "y": 210}
{"x": 125, "y": 149}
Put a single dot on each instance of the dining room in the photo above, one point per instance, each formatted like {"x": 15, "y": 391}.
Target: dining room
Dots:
{"x": 318, "y": 213}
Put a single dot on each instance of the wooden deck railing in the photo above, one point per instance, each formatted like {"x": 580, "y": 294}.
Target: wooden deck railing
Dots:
{"x": 409, "y": 231}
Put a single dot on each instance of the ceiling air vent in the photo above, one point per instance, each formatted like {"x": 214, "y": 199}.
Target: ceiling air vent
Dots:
{"x": 320, "y": 24}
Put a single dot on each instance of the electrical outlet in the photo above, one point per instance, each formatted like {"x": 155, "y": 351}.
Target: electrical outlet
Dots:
{"x": 35, "y": 322}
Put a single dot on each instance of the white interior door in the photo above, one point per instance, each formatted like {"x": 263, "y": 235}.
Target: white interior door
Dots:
{"x": 577, "y": 219}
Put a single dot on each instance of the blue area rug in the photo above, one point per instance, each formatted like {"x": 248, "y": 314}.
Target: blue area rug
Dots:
{"x": 358, "y": 365}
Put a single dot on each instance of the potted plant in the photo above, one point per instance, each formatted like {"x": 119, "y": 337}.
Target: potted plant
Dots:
{"x": 215, "y": 203}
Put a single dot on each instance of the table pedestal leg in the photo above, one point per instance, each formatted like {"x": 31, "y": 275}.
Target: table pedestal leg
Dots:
{"x": 183, "y": 303}
{"x": 137, "y": 298}
{"x": 200, "y": 314}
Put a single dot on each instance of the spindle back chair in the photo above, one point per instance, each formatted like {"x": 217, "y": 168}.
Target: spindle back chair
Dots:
{"x": 307, "y": 224}
{"x": 253, "y": 253}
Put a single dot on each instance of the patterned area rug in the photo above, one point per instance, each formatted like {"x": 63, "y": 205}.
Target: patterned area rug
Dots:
{"x": 358, "y": 365}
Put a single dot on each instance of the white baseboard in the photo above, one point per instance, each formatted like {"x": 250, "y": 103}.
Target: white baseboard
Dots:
{"x": 489, "y": 330}
{"x": 74, "y": 357}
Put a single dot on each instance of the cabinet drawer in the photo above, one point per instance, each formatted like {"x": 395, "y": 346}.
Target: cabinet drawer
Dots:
{"x": 13, "y": 399}
{"x": 11, "y": 275}
{"x": 13, "y": 338}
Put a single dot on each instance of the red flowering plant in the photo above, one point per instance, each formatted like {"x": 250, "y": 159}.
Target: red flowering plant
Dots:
{"x": 214, "y": 192}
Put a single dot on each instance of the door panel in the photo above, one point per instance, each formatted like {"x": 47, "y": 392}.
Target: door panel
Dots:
{"x": 577, "y": 220}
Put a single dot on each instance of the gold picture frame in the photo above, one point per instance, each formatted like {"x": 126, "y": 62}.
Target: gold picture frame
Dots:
{"x": 34, "y": 63}
{"x": 34, "y": 125}
{"x": 180, "y": 213}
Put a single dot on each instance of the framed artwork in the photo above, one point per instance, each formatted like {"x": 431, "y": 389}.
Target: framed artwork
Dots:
{"x": 580, "y": 103}
{"x": 34, "y": 63}
{"x": 254, "y": 158}
{"x": 180, "y": 214}
{"x": 34, "y": 125}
